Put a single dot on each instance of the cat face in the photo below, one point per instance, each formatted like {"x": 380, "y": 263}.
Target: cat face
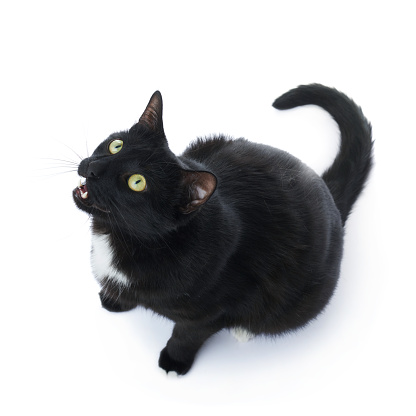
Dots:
{"x": 133, "y": 183}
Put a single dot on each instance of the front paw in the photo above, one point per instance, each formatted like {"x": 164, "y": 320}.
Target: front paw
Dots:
{"x": 167, "y": 363}
{"x": 112, "y": 306}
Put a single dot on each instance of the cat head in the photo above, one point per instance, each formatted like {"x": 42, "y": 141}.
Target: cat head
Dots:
{"x": 133, "y": 182}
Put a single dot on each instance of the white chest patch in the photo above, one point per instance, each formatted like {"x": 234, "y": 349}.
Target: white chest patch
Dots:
{"x": 102, "y": 257}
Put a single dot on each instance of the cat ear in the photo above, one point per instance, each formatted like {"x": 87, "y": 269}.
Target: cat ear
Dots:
{"x": 152, "y": 116}
{"x": 198, "y": 188}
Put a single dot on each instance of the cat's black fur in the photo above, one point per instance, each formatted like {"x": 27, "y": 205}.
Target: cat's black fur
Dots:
{"x": 229, "y": 234}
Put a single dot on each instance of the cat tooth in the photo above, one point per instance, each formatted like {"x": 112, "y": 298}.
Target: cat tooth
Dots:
{"x": 84, "y": 195}
{"x": 80, "y": 184}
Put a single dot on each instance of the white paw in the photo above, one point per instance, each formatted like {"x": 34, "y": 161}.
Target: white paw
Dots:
{"x": 169, "y": 374}
{"x": 241, "y": 334}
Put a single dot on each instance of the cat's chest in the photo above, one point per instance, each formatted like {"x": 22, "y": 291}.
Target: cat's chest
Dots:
{"x": 103, "y": 261}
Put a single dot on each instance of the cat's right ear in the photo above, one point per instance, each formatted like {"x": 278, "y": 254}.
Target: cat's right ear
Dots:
{"x": 197, "y": 189}
{"x": 152, "y": 115}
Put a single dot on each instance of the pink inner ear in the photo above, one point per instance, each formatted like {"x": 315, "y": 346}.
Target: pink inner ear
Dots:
{"x": 203, "y": 184}
{"x": 200, "y": 186}
{"x": 200, "y": 192}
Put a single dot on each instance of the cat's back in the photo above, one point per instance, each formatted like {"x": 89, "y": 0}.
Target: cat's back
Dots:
{"x": 224, "y": 155}
{"x": 246, "y": 168}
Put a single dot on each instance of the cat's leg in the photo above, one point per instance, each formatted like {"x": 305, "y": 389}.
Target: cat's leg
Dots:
{"x": 180, "y": 351}
{"x": 113, "y": 305}
{"x": 241, "y": 334}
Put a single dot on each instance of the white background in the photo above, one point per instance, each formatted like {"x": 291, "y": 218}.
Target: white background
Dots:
{"x": 74, "y": 72}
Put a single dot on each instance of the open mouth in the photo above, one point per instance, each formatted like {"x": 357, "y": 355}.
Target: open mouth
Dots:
{"x": 82, "y": 198}
{"x": 81, "y": 190}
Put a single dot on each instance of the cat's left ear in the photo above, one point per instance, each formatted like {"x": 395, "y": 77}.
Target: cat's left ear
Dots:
{"x": 197, "y": 189}
{"x": 152, "y": 116}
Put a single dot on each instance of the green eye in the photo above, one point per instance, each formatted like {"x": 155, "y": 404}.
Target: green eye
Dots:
{"x": 137, "y": 183}
{"x": 115, "y": 146}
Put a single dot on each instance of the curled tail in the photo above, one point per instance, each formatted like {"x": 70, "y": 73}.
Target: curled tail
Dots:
{"x": 348, "y": 174}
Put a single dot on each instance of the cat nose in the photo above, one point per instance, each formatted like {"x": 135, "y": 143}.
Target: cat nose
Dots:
{"x": 95, "y": 169}
{"x": 91, "y": 169}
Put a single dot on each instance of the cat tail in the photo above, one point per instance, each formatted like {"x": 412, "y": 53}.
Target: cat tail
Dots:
{"x": 348, "y": 174}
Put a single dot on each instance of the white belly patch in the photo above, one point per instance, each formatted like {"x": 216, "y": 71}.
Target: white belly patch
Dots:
{"x": 102, "y": 257}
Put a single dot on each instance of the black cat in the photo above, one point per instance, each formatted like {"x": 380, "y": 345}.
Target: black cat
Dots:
{"x": 231, "y": 234}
